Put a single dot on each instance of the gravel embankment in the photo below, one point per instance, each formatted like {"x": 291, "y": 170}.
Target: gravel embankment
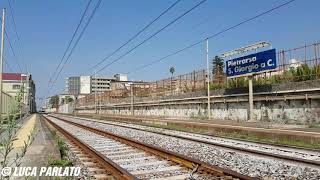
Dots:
{"x": 243, "y": 163}
{"x": 135, "y": 162}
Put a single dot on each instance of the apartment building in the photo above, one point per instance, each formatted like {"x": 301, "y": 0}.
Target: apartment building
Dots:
{"x": 78, "y": 85}
{"x": 13, "y": 83}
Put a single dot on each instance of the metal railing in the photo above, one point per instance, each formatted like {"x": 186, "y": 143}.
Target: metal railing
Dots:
{"x": 297, "y": 64}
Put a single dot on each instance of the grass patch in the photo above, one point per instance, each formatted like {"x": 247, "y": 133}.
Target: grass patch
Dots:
{"x": 276, "y": 141}
{"x": 60, "y": 162}
{"x": 314, "y": 126}
{"x": 239, "y": 136}
{"x": 63, "y": 151}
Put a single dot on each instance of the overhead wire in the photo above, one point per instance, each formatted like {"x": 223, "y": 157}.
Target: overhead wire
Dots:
{"x": 154, "y": 34}
{"x": 12, "y": 49}
{"x": 71, "y": 40}
{"x": 13, "y": 20}
{"x": 8, "y": 65}
{"x": 16, "y": 32}
{"x": 136, "y": 35}
{"x": 77, "y": 41}
{"x": 211, "y": 36}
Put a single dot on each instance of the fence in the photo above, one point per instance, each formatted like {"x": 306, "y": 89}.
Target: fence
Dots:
{"x": 297, "y": 64}
{"x": 8, "y": 103}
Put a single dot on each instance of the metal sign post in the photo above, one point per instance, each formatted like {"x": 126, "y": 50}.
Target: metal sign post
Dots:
{"x": 251, "y": 118}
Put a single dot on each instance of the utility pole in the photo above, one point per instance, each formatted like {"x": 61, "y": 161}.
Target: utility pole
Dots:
{"x": 95, "y": 93}
{"x": 1, "y": 62}
{"x": 75, "y": 105}
{"x": 208, "y": 78}
{"x": 132, "y": 99}
{"x": 22, "y": 94}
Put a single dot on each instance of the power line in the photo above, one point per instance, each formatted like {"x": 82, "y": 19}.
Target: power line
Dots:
{"x": 14, "y": 22}
{"x": 8, "y": 65}
{"x": 172, "y": 22}
{"x": 16, "y": 31}
{"x": 71, "y": 40}
{"x": 78, "y": 39}
{"x": 13, "y": 52}
{"x": 212, "y": 36}
{"x": 137, "y": 34}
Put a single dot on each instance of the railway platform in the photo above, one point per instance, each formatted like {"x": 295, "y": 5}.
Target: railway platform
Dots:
{"x": 42, "y": 146}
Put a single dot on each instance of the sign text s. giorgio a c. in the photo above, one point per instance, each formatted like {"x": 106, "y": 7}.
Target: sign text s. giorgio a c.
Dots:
{"x": 253, "y": 63}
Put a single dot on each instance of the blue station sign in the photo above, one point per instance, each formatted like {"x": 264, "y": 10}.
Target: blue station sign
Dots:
{"x": 253, "y": 63}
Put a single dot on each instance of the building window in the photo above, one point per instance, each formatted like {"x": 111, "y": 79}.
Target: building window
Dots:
{"x": 16, "y": 86}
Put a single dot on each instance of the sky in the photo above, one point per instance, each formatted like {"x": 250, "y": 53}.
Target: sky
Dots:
{"x": 45, "y": 27}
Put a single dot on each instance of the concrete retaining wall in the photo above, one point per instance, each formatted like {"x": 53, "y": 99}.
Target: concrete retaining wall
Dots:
{"x": 278, "y": 110}
{"x": 283, "y": 112}
{"x": 66, "y": 108}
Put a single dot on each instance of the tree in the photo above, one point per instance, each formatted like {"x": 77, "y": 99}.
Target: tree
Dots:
{"x": 62, "y": 101}
{"x": 54, "y": 101}
{"x": 69, "y": 99}
{"x": 217, "y": 70}
{"x": 172, "y": 70}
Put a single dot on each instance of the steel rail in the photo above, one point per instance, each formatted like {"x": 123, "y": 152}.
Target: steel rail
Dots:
{"x": 115, "y": 170}
{"x": 283, "y": 157}
{"x": 172, "y": 156}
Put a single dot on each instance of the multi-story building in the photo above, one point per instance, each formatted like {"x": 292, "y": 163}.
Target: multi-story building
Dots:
{"x": 87, "y": 84}
{"x": 101, "y": 84}
{"x": 13, "y": 83}
{"x": 121, "y": 77}
{"x": 73, "y": 85}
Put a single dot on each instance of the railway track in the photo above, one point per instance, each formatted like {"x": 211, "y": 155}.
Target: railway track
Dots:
{"x": 306, "y": 156}
{"x": 123, "y": 158}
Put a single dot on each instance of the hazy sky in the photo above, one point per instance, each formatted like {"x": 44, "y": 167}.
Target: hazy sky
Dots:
{"x": 46, "y": 26}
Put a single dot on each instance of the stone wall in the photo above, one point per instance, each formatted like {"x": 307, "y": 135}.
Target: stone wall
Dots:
{"x": 283, "y": 111}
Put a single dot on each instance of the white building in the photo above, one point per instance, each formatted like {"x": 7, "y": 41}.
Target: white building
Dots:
{"x": 88, "y": 84}
{"x": 294, "y": 63}
{"x": 121, "y": 77}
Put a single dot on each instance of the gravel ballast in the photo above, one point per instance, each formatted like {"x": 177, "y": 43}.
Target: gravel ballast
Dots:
{"x": 251, "y": 165}
{"x": 135, "y": 165}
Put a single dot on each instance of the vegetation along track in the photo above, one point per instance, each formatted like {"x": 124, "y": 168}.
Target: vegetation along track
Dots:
{"x": 292, "y": 154}
{"x": 129, "y": 159}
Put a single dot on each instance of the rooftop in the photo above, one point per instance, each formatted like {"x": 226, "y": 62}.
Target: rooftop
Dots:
{"x": 14, "y": 76}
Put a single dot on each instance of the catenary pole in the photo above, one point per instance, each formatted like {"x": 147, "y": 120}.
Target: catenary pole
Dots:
{"x": 208, "y": 77}
{"x": 95, "y": 93}
{"x": 1, "y": 61}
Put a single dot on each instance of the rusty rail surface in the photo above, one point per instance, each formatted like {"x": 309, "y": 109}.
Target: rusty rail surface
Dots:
{"x": 177, "y": 158}
{"x": 115, "y": 170}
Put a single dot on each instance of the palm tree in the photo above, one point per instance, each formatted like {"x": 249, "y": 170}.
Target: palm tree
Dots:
{"x": 172, "y": 70}
{"x": 217, "y": 70}
{"x": 54, "y": 101}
